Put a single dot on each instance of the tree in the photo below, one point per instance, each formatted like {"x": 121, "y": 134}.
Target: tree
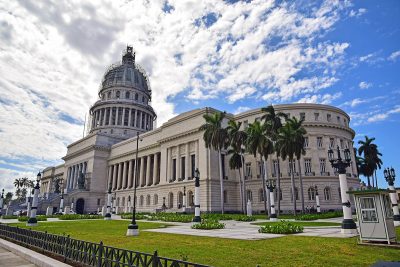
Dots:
{"x": 290, "y": 144}
{"x": 237, "y": 139}
{"x": 258, "y": 142}
{"x": 274, "y": 119}
{"x": 216, "y": 137}
{"x": 8, "y": 197}
{"x": 371, "y": 158}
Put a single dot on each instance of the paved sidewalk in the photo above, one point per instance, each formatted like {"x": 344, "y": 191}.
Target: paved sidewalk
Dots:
{"x": 9, "y": 259}
{"x": 246, "y": 231}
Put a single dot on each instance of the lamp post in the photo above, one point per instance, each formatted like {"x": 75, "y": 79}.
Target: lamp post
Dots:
{"x": 184, "y": 200}
{"x": 271, "y": 185}
{"x": 317, "y": 200}
{"x": 133, "y": 228}
{"x": 390, "y": 178}
{"x": 348, "y": 225}
{"x": 62, "y": 196}
{"x": 129, "y": 205}
{"x": 197, "y": 217}
{"x": 114, "y": 206}
{"x": 109, "y": 199}
{"x": 32, "y": 221}
{"x": 1, "y": 202}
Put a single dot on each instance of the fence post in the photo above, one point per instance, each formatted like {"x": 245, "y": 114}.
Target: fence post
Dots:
{"x": 65, "y": 248}
{"x": 100, "y": 256}
{"x": 155, "y": 259}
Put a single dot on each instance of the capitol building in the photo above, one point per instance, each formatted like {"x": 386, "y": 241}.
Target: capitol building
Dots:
{"x": 169, "y": 154}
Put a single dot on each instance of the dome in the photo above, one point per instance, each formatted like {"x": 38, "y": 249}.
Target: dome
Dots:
{"x": 126, "y": 74}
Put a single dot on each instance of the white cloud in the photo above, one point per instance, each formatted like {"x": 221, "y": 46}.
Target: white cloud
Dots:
{"x": 373, "y": 116}
{"x": 394, "y": 56}
{"x": 357, "y": 13}
{"x": 364, "y": 85}
{"x": 320, "y": 99}
{"x": 53, "y": 56}
{"x": 241, "y": 109}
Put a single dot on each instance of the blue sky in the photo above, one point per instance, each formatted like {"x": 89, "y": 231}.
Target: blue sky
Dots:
{"x": 233, "y": 56}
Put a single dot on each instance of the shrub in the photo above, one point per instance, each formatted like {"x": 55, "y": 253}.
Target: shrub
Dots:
{"x": 282, "y": 227}
{"x": 5, "y": 217}
{"x": 208, "y": 225}
{"x": 326, "y": 215}
{"x": 39, "y": 218}
{"x": 79, "y": 217}
{"x": 245, "y": 218}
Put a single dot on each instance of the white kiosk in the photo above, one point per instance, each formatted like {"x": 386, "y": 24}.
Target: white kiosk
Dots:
{"x": 374, "y": 215}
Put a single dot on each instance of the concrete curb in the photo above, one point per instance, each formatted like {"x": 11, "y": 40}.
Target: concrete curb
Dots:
{"x": 31, "y": 256}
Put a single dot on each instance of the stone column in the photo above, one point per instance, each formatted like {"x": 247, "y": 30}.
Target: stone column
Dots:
{"x": 115, "y": 168}
{"x": 317, "y": 201}
{"x": 178, "y": 163}
{"x": 125, "y": 175}
{"x": 116, "y": 115}
{"x": 110, "y": 117}
{"x": 129, "y": 185}
{"x": 120, "y": 173}
{"x": 123, "y": 117}
{"x": 168, "y": 164}
{"x": 148, "y": 166}
{"x": 105, "y": 116}
{"x": 155, "y": 176}
{"x": 187, "y": 162}
{"x": 141, "y": 174}
{"x": 196, "y": 153}
{"x": 129, "y": 117}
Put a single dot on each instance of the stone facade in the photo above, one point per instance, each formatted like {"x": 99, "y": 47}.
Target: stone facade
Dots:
{"x": 168, "y": 155}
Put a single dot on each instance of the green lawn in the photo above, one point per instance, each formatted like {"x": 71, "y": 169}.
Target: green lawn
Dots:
{"x": 304, "y": 224}
{"x": 284, "y": 251}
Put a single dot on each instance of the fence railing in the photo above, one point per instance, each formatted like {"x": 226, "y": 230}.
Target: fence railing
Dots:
{"x": 87, "y": 253}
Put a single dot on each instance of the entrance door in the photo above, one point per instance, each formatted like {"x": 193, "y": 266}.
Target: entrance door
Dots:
{"x": 80, "y": 206}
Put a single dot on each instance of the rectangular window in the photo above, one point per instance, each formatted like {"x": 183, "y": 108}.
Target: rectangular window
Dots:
{"x": 338, "y": 119}
{"x": 316, "y": 116}
{"x": 119, "y": 116}
{"x": 307, "y": 165}
{"x": 126, "y": 116}
{"x": 345, "y": 122}
{"x": 305, "y": 142}
{"x": 368, "y": 209}
{"x": 322, "y": 165}
{"x": 223, "y": 166}
{"x": 248, "y": 170}
{"x": 292, "y": 166}
{"x": 173, "y": 169}
{"x": 275, "y": 166}
{"x": 132, "y": 123}
{"x": 259, "y": 169}
{"x": 245, "y": 124}
{"x": 107, "y": 115}
{"x": 319, "y": 141}
{"x": 328, "y": 117}
{"x": 193, "y": 164}
{"x": 302, "y": 116}
{"x": 138, "y": 119}
{"x": 331, "y": 142}
{"x": 341, "y": 143}
{"x": 98, "y": 202}
{"x": 183, "y": 161}
{"x": 114, "y": 114}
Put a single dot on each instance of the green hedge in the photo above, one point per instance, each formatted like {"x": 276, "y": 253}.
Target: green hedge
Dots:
{"x": 312, "y": 217}
{"x": 282, "y": 227}
{"x": 5, "y": 217}
{"x": 208, "y": 225}
{"x": 245, "y": 218}
{"x": 39, "y": 218}
{"x": 79, "y": 217}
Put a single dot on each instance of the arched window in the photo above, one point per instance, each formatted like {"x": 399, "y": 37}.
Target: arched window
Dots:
{"x": 249, "y": 195}
{"x": 225, "y": 196}
{"x": 190, "y": 198}
{"x": 311, "y": 193}
{"x": 109, "y": 95}
{"x": 155, "y": 199}
{"x": 127, "y": 95}
{"x": 141, "y": 201}
{"x": 170, "y": 200}
{"x": 148, "y": 200}
{"x": 327, "y": 193}
{"x": 136, "y": 97}
{"x": 179, "y": 200}
{"x": 276, "y": 194}
{"x": 117, "y": 202}
{"x": 261, "y": 195}
{"x": 117, "y": 94}
{"x": 143, "y": 99}
{"x": 123, "y": 202}
{"x": 296, "y": 193}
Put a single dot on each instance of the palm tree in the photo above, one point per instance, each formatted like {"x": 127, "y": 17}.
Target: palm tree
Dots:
{"x": 371, "y": 157}
{"x": 216, "y": 137}
{"x": 298, "y": 128}
{"x": 237, "y": 138}
{"x": 290, "y": 144}
{"x": 258, "y": 142}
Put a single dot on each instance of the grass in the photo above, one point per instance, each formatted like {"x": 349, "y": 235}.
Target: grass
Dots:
{"x": 284, "y": 251}
{"x": 304, "y": 224}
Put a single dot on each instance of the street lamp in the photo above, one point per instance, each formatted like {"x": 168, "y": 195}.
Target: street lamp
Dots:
{"x": 109, "y": 199}
{"x": 133, "y": 228}
{"x": 390, "y": 178}
{"x": 32, "y": 219}
{"x": 1, "y": 202}
{"x": 271, "y": 185}
{"x": 348, "y": 225}
{"x": 317, "y": 200}
{"x": 197, "y": 217}
{"x": 184, "y": 200}
{"x": 114, "y": 203}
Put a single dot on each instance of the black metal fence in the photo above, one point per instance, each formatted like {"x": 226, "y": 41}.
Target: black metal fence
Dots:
{"x": 87, "y": 253}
